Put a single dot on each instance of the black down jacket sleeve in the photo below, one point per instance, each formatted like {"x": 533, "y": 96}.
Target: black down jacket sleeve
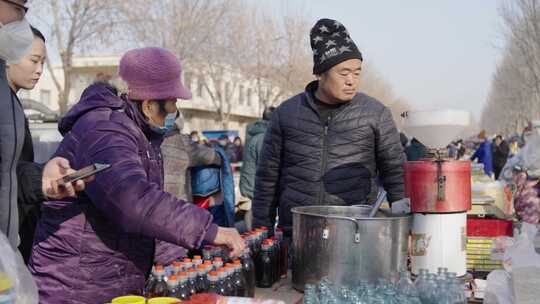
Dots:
{"x": 390, "y": 156}
{"x": 267, "y": 177}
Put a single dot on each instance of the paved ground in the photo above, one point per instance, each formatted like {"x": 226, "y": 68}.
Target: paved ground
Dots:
{"x": 282, "y": 291}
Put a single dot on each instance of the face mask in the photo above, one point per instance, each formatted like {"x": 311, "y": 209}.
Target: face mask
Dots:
{"x": 169, "y": 124}
{"x": 15, "y": 39}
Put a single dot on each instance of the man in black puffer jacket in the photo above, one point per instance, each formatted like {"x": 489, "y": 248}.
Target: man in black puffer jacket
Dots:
{"x": 330, "y": 144}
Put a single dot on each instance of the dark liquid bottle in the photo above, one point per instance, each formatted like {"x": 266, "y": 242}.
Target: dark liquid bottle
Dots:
{"x": 183, "y": 289}
{"x": 265, "y": 271}
{"x": 283, "y": 254}
{"x": 275, "y": 254}
{"x": 239, "y": 280}
{"x": 229, "y": 282}
{"x": 202, "y": 282}
{"x": 152, "y": 278}
{"x": 172, "y": 286}
{"x": 192, "y": 281}
{"x": 207, "y": 253}
{"x": 213, "y": 282}
{"x": 248, "y": 270}
{"x": 159, "y": 288}
{"x": 221, "y": 282}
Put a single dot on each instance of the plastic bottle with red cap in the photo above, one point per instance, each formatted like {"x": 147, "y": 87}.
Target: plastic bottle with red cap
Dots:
{"x": 239, "y": 280}
{"x": 229, "y": 284}
{"x": 172, "y": 286}
{"x": 202, "y": 282}
{"x": 192, "y": 281}
{"x": 183, "y": 289}
{"x": 213, "y": 282}
{"x": 177, "y": 266}
{"x": 221, "y": 281}
{"x": 197, "y": 260}
{"x": 218, "y": 263}
{"x": 187, "y": 263}
{"x": 276, "y": 248}
{"x": 159, "y": 287}
{"x": 264, "y": 266}
{"x": 208, "y": 252}
{"x": 283, "y": 253}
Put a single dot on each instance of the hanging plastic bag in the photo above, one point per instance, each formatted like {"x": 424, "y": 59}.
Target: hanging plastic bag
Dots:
{"x": 518, "y": 282}
{"x": 16, "y": 282}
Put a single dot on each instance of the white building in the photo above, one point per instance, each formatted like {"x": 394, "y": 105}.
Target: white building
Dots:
{"x": 199, "y": 113}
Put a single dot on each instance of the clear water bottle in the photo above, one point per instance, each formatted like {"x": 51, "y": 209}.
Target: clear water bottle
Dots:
{"x": 431, "y": 292}
{"x": 420, "y": 283}
{"x": 310, "y": 295}
{"x": 372, "y": 297}
{"x": 405, "y": 285}
{"x": 458, "y": 292}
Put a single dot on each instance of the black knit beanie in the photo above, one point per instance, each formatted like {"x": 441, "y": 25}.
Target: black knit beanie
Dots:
{"x": 331, "y": 45}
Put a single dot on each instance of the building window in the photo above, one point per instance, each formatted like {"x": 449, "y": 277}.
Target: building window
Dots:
{"x": 45, "y": 97}
{"x": 241, "y": 94}
{"x": 249, "y": 96}
{"x": 188, "y": 77}
{"x": 200, "y": 85}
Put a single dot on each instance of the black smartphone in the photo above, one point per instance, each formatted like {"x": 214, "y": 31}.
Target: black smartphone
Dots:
{"x": 82, "y": 173}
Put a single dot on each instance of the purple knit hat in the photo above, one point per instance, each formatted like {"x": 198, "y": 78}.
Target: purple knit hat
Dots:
{"x": 152, "y": 73}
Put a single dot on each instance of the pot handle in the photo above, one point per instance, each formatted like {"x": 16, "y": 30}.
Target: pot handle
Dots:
{"x": 350, "y": 219}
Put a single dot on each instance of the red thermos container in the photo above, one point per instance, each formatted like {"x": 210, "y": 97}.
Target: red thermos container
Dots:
{"x": 438, "y": 186}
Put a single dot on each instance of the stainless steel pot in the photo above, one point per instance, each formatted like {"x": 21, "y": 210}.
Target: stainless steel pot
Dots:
{"x": 347, "y": 246}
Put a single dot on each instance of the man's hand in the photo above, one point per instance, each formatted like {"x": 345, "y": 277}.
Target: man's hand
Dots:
{"x": 230, "y": 238}
{"x": 55, "y": 169}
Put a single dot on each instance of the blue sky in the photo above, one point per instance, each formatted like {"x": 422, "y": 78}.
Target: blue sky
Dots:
{"x": 435, "y": 54}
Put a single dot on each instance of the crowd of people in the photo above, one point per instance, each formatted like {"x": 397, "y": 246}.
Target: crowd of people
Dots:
{"x": 166, "y": 191}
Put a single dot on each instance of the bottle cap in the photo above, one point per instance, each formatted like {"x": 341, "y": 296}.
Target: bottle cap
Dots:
{"x": 159, "y": 267}
{"x": 172, "y": 278}
{"x": 201, "y": 266}
{"x": 237, "y": 262}
{"x": 182, "y": 274}
{"x": 187, "y": 260}
{"x": 207, "y": 262}
{"x": 197, "y": 257}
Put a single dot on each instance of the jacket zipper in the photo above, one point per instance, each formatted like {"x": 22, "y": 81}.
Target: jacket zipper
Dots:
{"x": 323, "y": 161}
{"x": 8, "y": 229}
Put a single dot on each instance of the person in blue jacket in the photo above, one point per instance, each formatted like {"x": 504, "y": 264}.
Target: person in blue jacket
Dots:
{"x": 484, "y": 154}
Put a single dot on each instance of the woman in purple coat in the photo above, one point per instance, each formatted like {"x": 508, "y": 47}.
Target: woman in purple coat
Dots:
{"x": 101, "y": 244}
